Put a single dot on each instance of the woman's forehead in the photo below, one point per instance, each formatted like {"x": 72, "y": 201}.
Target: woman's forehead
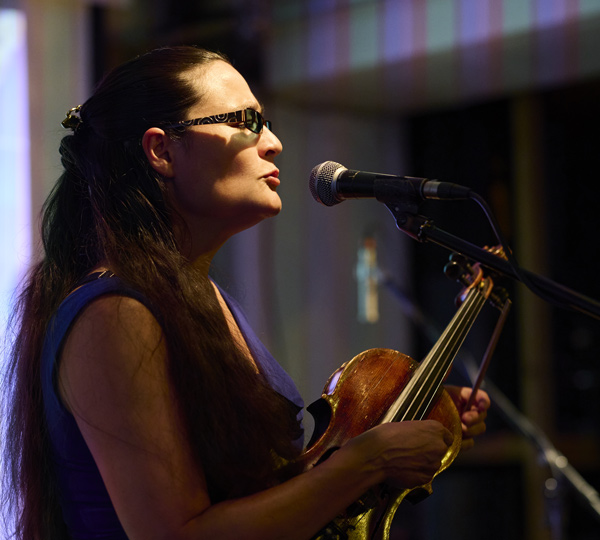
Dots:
{"x": 221, "y": 88}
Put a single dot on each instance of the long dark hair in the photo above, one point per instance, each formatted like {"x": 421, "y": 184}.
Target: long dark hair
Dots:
{"x": 110, "y": 205}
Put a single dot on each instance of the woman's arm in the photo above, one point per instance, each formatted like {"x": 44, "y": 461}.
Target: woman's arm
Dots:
{"x": 113, "y": 378}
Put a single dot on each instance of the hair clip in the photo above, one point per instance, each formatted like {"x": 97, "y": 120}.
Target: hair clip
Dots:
{"x": 72, "y": 121}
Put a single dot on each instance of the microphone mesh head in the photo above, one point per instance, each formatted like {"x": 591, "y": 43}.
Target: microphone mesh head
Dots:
{"x": 320, "y": 182}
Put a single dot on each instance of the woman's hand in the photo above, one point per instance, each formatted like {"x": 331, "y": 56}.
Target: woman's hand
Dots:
{"x": 473, "y": 420}
{"x": 403, "y": 454}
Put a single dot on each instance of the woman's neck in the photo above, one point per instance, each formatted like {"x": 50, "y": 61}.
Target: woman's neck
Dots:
{"x": 203, "y": 262}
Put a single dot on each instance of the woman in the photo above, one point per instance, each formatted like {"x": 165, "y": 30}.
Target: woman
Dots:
{"x": 159, "y": 414}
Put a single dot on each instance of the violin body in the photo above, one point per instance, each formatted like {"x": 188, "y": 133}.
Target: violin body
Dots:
{"x": 355, "y": 399}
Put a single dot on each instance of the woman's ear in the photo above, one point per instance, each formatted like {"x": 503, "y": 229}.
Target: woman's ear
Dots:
{"x": 157, "y": 147}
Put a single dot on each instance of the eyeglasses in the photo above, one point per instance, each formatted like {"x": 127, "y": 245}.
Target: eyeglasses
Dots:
{"x": 251, "y": 119}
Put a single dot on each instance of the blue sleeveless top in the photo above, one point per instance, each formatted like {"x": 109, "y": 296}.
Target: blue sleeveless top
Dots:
{"x": 86, "y": 505}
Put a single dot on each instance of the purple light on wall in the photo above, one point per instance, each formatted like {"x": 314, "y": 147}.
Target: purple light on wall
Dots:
{"x": 15, "y": 220}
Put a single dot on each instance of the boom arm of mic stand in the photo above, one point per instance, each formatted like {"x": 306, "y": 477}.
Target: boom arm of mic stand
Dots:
{"x": 423, "y": 229}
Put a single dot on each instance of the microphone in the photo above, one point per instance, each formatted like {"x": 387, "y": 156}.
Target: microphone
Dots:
{"x": 331, "y": 183}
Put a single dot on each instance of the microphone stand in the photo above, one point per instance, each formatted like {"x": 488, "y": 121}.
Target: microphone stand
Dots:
{"x": 562, "y": 472}
{"x": 423, "y": 229}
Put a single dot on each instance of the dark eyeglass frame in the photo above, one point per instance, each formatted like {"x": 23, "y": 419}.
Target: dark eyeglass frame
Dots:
{"x": 251, "y": 119}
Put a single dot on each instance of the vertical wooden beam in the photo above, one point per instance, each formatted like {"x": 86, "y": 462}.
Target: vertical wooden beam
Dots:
{"x": 534, "y": 325}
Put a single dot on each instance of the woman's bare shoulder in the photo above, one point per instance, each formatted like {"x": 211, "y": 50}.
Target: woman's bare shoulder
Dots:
{"x": 115, "y": 347}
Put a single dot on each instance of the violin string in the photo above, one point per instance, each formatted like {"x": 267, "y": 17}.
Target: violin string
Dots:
{"x": 430, "y": 367}
{"x": 435, "y": 378}
{"x": 450, "y": 352}
{"x": 430, "y": 375}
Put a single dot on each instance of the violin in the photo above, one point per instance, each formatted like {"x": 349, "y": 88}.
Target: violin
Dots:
{"x": 382, "y": 385}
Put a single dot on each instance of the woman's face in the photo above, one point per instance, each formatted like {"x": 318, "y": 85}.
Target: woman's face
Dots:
{"x": 224, "y": 177}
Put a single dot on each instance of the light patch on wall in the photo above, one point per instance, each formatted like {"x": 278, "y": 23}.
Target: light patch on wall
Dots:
{"x": 14, "y": 166}
{"x": 14, "y": 155}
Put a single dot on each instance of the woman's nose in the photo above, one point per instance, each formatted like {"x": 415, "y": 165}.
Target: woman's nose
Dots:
{"x": 270, "y": 143}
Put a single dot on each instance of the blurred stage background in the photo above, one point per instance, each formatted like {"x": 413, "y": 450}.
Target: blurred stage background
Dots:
{"x": 498, "y": 95}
